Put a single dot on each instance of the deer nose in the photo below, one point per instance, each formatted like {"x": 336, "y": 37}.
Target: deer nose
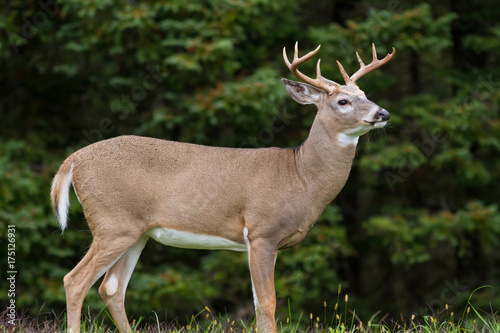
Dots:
{"x": 383, "y": 114}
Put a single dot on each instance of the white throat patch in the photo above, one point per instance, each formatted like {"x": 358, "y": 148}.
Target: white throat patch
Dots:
{"x": 347, "y": 139}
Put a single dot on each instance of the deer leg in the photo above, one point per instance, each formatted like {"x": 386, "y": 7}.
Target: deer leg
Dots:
{"x": 114, "y": 285}
{"x": 261, "y": 259}
{"x": 100, "y": 257}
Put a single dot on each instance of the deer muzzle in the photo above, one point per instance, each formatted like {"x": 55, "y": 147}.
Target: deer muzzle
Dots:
{"x": 383, "y": 115}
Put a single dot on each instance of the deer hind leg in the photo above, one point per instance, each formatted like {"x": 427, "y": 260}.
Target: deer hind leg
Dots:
{"x": 261, "y": 259}
{"x": 114, "y": 285}
{"x": 103, "y": 253}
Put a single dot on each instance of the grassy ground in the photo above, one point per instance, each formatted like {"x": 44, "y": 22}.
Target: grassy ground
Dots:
{"x": 339, "y": 321}
{"x": 206, "y": 322}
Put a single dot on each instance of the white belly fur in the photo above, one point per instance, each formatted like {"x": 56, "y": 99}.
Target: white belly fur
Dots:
{"x": 188, "y": 240}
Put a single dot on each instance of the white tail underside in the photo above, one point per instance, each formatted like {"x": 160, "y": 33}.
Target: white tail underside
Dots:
{"x": 63, "y": 205}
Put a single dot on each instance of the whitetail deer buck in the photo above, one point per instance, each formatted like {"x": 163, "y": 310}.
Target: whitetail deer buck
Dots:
{"x": 261, "y": 200}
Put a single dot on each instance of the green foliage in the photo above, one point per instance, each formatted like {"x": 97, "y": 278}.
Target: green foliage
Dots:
{"x": 416, "y": 30}
{"x": 421, "y": 193}
{"x": 307, "y": 274}
{"x": 411, "y": 238}
{"x": 246, "y": 105}
{"x": 25, "y": 173}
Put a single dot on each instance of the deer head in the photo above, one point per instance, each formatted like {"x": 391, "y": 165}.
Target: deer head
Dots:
{"x": 344, "y": 109}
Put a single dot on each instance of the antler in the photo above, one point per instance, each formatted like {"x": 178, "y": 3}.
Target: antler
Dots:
{"x": 365, "y": 68}
{"x": 318, "y": 82}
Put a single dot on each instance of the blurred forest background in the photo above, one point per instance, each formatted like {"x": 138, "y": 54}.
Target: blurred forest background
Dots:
{"x": 417, "y": 225}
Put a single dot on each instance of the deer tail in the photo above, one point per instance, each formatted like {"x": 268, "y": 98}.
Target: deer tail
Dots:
{"x": 59, "y": 193}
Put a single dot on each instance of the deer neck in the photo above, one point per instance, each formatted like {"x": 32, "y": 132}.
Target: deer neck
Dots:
{"x": 325, "y": 160}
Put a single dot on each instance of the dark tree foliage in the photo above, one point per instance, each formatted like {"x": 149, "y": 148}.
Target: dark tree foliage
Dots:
{"x": 417, "y": 225}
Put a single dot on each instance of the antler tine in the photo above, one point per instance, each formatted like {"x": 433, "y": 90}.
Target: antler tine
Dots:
{"x": 346, "y": 77}
{"x": 318, "y": 82}
{"x": 364, "y": 69}
{"x": 361, "y": 63}
{"x": 318, "y": 70}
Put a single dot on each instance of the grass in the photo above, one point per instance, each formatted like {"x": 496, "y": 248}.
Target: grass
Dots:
{"x": 341, "y": 320}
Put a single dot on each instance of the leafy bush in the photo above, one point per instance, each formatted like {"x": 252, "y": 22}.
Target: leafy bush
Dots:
{"x": 420, "y": 208}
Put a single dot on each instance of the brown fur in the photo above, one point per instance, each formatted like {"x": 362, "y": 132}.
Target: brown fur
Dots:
{"x": 129, "y": 185}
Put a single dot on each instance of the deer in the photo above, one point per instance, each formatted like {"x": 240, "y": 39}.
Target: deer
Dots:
{"x": 261, "y": 200}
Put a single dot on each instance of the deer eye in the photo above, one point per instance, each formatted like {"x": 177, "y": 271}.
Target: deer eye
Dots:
{"x": 343, "y": 102}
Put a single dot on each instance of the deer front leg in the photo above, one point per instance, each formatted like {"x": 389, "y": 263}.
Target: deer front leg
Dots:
{"x": 261, "y": 259}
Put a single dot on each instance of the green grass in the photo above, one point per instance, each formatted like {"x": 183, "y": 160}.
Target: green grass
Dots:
{"x": 474, "y": 322}
{"x": 340, "y": 320}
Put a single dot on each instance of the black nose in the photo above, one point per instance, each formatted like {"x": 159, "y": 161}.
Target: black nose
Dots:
{"x": 383, "y": 114}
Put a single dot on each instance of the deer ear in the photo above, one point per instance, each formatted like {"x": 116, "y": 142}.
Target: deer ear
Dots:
{"x": 302, "y": 93}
